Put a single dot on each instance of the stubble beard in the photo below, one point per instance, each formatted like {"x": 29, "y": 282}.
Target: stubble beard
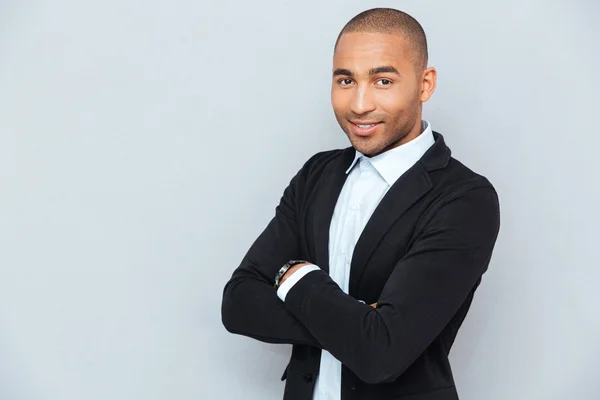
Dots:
{"x": 372, "y": 146}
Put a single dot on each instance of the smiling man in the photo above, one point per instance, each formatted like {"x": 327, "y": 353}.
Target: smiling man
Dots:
{"x": 371, "y": 261}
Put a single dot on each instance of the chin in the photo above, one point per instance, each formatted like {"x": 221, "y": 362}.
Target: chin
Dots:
{"x": 368, "y": 149}
{"x": 366, "y": 146}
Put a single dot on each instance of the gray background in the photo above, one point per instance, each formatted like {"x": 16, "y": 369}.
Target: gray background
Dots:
{"x": 145, "y": 144}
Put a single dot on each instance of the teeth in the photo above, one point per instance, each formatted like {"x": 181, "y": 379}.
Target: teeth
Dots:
{"x": 365, "y": 126}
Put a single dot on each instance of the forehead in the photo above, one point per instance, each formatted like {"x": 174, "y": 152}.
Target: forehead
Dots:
{"x": 360, "y": 51}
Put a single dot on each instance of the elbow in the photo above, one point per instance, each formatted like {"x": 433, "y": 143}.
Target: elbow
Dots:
{"x": 228, "y": 314}
{"x": 379, "y": 376}
{"x": 385, "y": 367}
{"x": 376, "y": 377}
{"x": 226, "y": 320}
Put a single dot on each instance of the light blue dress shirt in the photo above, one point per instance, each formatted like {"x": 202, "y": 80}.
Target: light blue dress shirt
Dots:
{"x": 368, "y": 181}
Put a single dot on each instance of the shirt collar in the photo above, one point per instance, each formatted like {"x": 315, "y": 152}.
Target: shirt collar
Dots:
{"x": 395, "y": 162}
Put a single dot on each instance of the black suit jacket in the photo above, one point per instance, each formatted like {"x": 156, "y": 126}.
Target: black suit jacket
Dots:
{"x": 420, "y": 257}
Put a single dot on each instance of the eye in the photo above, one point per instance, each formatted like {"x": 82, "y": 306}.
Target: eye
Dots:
{"x": 345, "y": 82}
{"x": 384, "y": 82}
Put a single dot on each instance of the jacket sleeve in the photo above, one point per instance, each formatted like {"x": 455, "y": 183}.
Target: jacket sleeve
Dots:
{"x": 424, "y": 291}
{"x": 250, "y": 305}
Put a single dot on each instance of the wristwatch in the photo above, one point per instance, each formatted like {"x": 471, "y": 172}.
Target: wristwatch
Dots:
{"x": 284, "y": 269}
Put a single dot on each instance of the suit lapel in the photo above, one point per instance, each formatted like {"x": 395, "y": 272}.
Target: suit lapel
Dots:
{"x": 334, "y": 176}
{"x": 405, "y": 192}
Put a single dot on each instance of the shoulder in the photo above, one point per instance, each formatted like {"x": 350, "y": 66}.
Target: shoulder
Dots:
{"x": 316, "y": 164}
{"x": 451, "y": 179}
{"x": 457, "y": 174}
{"x": 447, "y": 174}
{"x": 458, "y": 185}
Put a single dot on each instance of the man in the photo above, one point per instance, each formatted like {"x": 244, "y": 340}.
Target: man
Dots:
{"x": 371, "y": 261}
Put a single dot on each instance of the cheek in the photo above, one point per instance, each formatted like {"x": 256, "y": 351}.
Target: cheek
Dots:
{"x": 395, "y": 102}
{"x": 339, "y": 101}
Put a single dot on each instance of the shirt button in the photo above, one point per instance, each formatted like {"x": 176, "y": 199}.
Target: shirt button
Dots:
{"x": 355, "y": 206}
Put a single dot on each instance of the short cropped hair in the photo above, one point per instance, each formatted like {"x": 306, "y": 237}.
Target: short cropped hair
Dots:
{"x": 389, "y": 20}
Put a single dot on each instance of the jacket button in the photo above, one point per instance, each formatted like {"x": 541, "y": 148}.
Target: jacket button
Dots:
{"x": 308, "y": 378}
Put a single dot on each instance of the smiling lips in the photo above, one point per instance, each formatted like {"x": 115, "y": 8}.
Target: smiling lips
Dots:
{"x": 365, "y": 128}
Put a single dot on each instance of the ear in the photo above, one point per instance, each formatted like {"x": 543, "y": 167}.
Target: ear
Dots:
{"x": 428, "y": 83}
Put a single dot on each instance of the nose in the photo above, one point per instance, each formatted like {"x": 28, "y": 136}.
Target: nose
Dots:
{"x": 362, "y": 101}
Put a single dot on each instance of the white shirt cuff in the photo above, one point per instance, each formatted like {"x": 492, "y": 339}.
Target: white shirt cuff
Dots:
{"x": 289, "y": 283}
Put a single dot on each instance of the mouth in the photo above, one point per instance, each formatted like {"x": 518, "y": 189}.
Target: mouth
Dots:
{"x": 365, "y": 128}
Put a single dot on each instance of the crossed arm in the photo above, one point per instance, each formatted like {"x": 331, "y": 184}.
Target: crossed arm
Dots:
{"x": 422, "y": 294}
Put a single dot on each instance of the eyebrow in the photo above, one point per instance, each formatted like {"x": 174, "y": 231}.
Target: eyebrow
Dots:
{"x": 373, "y": 71}
{"x": 342, "y": 71}
{"x": 383, "y": 70}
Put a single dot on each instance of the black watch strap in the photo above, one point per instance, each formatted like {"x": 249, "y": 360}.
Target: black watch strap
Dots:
{"x": 284, "y": 269}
